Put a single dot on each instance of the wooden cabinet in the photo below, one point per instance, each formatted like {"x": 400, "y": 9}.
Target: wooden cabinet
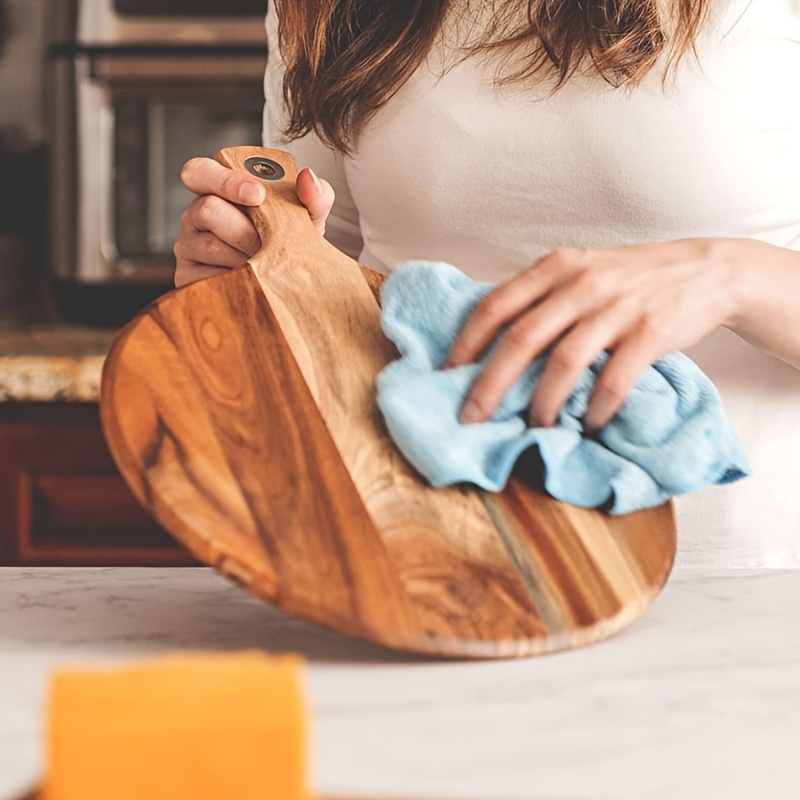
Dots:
{"x": 62, "y": 501}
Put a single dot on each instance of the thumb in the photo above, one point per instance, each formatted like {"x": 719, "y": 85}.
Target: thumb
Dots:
{"x": 317, "y": 196}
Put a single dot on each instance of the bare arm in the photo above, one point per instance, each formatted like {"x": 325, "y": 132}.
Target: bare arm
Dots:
{"x": 768, "y": 286}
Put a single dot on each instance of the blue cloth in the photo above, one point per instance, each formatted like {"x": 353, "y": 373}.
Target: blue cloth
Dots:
{"x": 670, "y": 437}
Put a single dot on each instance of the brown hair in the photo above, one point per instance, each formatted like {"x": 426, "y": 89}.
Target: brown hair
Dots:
{"x": 346, "y": 58}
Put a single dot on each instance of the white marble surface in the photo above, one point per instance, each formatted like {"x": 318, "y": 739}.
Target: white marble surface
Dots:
{"x": 698, "y": 699}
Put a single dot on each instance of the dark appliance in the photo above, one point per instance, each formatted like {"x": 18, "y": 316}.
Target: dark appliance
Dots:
{"x": 136, "y": 87}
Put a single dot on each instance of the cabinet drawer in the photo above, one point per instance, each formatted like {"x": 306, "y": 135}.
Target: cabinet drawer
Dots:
{"x": 62, "y": 500}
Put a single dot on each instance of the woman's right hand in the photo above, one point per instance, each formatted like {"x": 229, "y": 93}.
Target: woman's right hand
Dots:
{"x": 216, "y": 235}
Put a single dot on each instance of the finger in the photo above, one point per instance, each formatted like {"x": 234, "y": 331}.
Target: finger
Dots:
{"x": 317, "y": 196}
{"x": 572, "y": 355}
{"x": 188, "y": 272}
{"x": 507, "y": 302}
{"x": 523, "y": 342}
{"x": 622, "y": 370}
{"x": 531, "y": 335}
{"x": 214, "y": 215}
{"x": 205, "y": 176}
{"x": 205, "y": 248}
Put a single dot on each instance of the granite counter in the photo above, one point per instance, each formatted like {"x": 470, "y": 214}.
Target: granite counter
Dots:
{"x": 55, "y": 362}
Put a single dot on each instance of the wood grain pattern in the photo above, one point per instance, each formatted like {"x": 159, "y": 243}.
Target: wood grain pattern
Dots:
{"x": 241, "y": 410}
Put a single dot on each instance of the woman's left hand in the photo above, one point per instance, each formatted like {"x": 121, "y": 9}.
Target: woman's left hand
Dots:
{"x": 638, "y": 302}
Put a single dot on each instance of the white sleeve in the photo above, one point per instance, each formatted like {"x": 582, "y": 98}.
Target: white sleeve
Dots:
{"x": 343, "y": 229}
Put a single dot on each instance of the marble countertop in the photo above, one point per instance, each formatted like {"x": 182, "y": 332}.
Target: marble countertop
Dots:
{"x": 698, "y": 700}
{"x": 52, "y": 362}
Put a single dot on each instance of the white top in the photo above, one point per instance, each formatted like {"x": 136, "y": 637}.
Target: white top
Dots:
{"x": 454, "y": 169}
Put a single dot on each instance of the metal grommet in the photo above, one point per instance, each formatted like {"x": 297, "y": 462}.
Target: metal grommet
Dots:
{"x": 264, "y": 168}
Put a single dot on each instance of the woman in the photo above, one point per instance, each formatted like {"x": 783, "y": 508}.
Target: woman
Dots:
{"x": 628, "y": 170}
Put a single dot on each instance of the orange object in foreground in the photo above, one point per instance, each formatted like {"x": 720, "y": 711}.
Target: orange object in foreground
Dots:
{"x": 189, "y": 726}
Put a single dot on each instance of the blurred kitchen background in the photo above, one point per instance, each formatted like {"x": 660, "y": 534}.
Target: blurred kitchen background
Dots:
{"x": 23, "y": 200}
{"x": 101, "y": 103}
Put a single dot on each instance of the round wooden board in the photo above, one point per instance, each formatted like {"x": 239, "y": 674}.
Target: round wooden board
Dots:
{"x": 241, "y": 411}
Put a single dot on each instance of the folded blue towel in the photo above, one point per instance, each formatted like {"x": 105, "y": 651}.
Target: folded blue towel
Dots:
{"x": 670, "y": 437}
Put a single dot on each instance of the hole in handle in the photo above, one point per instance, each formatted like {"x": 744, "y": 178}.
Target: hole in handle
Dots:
{"x": 264, "y": 168}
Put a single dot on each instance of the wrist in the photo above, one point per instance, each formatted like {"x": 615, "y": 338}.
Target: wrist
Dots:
{"x": 751, "y": 265}
{"x": 765, "y": 287}
{"x": 740, "y": 278}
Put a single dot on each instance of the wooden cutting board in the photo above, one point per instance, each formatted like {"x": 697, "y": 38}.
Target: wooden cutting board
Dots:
{"x": 241, "y": 411}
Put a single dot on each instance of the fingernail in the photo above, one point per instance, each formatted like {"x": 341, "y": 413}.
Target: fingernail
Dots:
{"x": 471, "y": 412}
{"x": 316, "y": 180}
{"x": 251, "y": 194}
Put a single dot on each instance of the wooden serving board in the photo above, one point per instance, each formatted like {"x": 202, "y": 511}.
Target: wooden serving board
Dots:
{"x": 241, "y": 410}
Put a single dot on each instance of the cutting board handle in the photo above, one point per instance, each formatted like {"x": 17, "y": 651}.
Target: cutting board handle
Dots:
{"x": 281, "y": 216}
{"x": 282, "y": 220}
